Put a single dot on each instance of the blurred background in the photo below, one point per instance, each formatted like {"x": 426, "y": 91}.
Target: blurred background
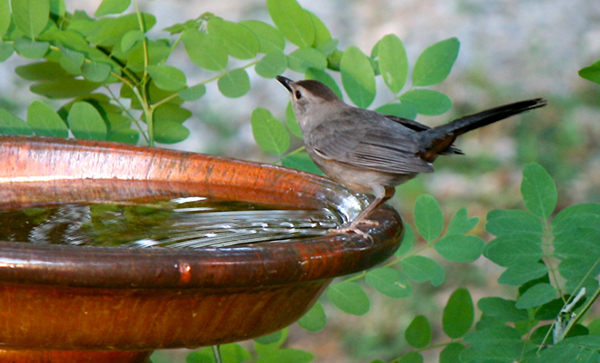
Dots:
{"x": 510, "y": 50}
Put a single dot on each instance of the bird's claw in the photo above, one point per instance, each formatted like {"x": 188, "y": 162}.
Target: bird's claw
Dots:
{"x": 366, "y": 222}
{"x": 351, "y": 229}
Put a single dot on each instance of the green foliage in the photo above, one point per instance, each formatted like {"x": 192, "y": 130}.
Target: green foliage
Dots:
{"x": 358, "y": 77}
{"x": 534, "y": 249}
{"x": 435, "y": 63}
{"x": 418, "y": 333}
{"x": 349, "y": 297}
{"x": 393, "y": 62}
{"x": 458, "y": 314}
{"x": 315, "y": 319}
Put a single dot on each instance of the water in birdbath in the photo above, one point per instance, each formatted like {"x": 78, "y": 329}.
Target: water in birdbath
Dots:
{"x": 180, "y": 222}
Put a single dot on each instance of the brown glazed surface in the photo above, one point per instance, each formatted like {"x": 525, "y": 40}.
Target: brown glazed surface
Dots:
{"x": 68, "y": 298}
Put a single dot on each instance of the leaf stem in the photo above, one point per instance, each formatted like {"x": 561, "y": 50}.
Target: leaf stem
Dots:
{"x": 126, "y": 110}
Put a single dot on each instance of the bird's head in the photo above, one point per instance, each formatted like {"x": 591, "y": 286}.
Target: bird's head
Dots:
{"x": 310, "y": 98}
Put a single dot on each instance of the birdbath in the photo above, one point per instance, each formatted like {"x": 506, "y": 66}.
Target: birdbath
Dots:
{"x": 66, "y": 303}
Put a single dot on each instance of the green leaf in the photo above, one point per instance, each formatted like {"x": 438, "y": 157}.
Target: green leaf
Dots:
{"x": 6, "y": 50}
{"x": 429, "y": 219}
{"x": 64, "y": 88}
{"x": 86, "y": 123}
{"x": 5, "y": 17}
{"x": 460, "y": 247}
{"x": 519, "y": 273}
{"x": 393, "y": 62}
{"x": 30, "y": 16}
{"x": 435, "y": 63}
{"x": 31, "y": 49}
{"x": 580, "y": 349}
{"x": 461, "y": 223}
{"x": 495, "y": 344}
{"x": 234, "y": 83}
{"x": 268, "y": 343}
{"x": 286, "y": 355}
{"x": 322, "y": 34}
{"x": 427, "y": 102}
{"x": 459, "y": 314}
{"x": 594, "y": 327}
{"x": 592, "y": 72}
{"x": 421, "y": 269}
{"x": 58, "y": 8}
{"x": 418, "y": 333}
{"x": 42, "y": 71}
{"x": 204, "y": 50}
{"x": 408, "y": 241}
{"x": 404, "y": 110}
{"x": 358, "y": 77}
{"x": 536, "y": 296}
{"x": 108, "y": 7}
{"x": 12, "y": 125}
{"x": 131, "y": 38}
{"x": 412, "y": 357}
{"x": 45, "y": 121}
{"x": 585, "y": 215}
{"x": 71, "y": 61}
{"x": 167, "y": 77}
{"x": 169, "y": 131}
{"x": 301, "y": 161}
{"x": 96, "y": 71}
{"x": 328, "y": 46}
{"x": 293, "y": 21}
{"x": 314, "y": 320}
{"x": 171, "y": 112}
{"x": 110, "y": 31}
{"x": 272, "y": 64}
{"x": 269, "y": 38}
{"x": 239, "y": 41}
{"x": 349, "y": 297}
{"x": 509, "y": 250}
{"x": 304, "y": 58}
{"x": 514, "y": 223}
{"x": 538, "y": 190}
{"x": 502, "y": 309}
{"x": 292, "y": 123}
{"x": 274, "y": 339}
{"x": 389, "y": 282}
{"x": 325, "y": 78}
{"x": 158, "y": 51}
{"x": 269, "y": 132}
{"x": 125, "y": 136}
{"x": 192, "y": 93}
{"x": 451, "y": 353}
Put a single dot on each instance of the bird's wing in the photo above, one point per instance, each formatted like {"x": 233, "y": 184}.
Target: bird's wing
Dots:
{"x": 411, "y": 124}
{"x": 419, "y": 127}
{"x": 373, "y": 143}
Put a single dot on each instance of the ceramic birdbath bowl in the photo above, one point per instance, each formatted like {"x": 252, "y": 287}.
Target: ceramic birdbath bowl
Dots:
{"x": 63, "y": 303}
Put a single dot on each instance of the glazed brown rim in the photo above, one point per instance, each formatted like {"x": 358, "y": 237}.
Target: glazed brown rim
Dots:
{"x": 35, "y": 159}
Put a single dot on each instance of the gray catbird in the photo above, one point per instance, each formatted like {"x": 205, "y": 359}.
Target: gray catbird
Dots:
{"x": 370, "y": 152}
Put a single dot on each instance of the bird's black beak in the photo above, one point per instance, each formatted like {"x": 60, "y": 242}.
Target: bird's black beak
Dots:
{"x": 285, "y": 82}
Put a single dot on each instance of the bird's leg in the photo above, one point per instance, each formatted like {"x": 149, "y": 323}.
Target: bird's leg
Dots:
{"x": 382, "y": 194}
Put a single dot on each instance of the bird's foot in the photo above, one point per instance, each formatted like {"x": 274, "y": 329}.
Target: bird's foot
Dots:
{"x": 351, "y": 229}
{"x": 366, "y": 222}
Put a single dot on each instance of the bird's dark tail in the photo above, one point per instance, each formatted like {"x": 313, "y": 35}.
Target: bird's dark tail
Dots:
{"x": 438, "y": 140}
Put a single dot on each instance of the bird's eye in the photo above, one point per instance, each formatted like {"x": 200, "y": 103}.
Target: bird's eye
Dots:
{"x": 298, "y": 95}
